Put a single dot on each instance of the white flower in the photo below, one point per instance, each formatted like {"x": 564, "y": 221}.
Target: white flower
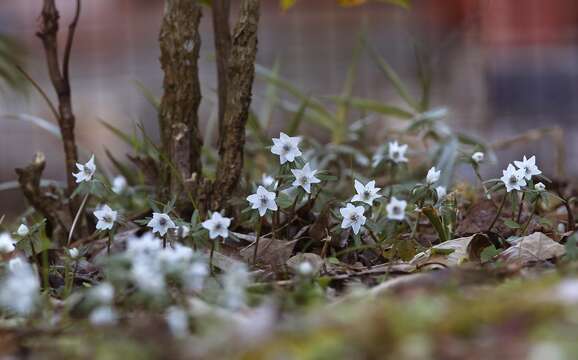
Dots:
{"x": 305, "y": 268}
{"x": 106, "y": 217}
{"x": 15, "y": 263}
{"x": 235, "y": 283}
{"x": 145, "y": 245}
{"x": 23, "y": 230}
{"x": 478, "y": 157}
{"x": 174, "y": 259}
{"x": 148, "y": 275}
{"x": 396, "y": 209}
{"x": 433, "y": 176}
{"x": 20, "y": 288}
{"x": 73, "y": 252}
{"x": 286, "y": 147}
{"x": 183, "y": 231}
{"x": 352, "y": 217}
{"x": 513, "y": 179}
{"x": 194, "y": 277}
{"x": 217, "y": 225}
{"x": 528, "y": 167}
{"x": 86, "y": 171}
{"x": 267, "y": 180}
{"x": 305, "y": 177}
{"x": 103, "y": 293}
{"x": 103, "y": 315}
{"x": 161, "y": 223}
{"x": 540, "y": 187}
{"x": 6, "y": 243}
{"x": 263, "y": 200}
{"x": 178, "y": 321}
{"x": 397, "y": 152}
{"x": 366, "y": 193}
{"x": 567, "y": 291}
{"x": 119, "y": 184}
{"x": 441, "y": 192}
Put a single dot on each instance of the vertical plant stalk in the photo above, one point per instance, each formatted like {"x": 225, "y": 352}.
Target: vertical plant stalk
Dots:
{"x": 180, "y": 43}
{"x": 256, "y": 251}
{"x": 222, "y": 34}
{"x": 498, "y": 213}
{"x": 240, "y": 75}
{"x": 59, "y": 77}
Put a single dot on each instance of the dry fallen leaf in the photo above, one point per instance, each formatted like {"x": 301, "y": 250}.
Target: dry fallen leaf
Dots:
{"x": 534, "y": 247}
{"x": 272, "y": 252}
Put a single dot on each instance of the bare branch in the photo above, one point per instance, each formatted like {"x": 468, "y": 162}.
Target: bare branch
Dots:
{"x": 48, "y": 34}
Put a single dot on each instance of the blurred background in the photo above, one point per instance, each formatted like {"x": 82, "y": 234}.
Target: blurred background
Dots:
{"x": 501, "y": 67}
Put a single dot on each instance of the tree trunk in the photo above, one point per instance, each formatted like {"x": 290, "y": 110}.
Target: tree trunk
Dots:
{"x": 180, "y": 43}
{"x": 240, "y": 75}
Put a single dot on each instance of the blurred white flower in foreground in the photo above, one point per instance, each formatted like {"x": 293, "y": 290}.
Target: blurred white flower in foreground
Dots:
{"x": 73, "y": 252}
{"x": 286, "y": 147}
{"x": 102, "y": 293}
{"x": 178, "y": 321}
{"x": 86, "y": 171}
{"x": 194, "y": 277}
{"x": 6, "y": 243}
{"x": 268, "y": 180}
{"x": 161, "y": 223}
{"x": 106, "y": 217}
{"x": 103, "y": 315}
{"x": 19, "y": 290}
{"x": 235, "y": 283}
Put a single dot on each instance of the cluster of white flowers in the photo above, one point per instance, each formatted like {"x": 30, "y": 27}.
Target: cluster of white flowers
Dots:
{"x": 516, "y": 177}
{"x": 19, "y": 290}
{"x": 151, "y": 264}
{"x": 103, "y": 314}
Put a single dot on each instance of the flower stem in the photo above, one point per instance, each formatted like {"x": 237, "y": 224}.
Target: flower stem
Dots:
{"x": 521, "y": 208}
{"x": 211, "y": 256}
{"x": 257, "y": 240}
{"x": 498, "y": 213}
{"x": 527, "y": 223}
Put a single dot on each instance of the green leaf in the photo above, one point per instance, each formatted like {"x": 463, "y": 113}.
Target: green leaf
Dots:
{"x": 284, "y": 201}
{"x": 151, "y": 98}
{"x": 373, "y": 106}
{"x": 436, "y": 222}
{"x": 488, "y": 253}
{"x": 392, "y": 76}
{"x": 571, "y": 247}
{"x": 512, "y": 224}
